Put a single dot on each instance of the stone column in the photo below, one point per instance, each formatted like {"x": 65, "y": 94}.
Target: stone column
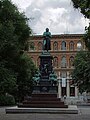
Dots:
{"x": 59, "y": 88}
{"x": 67, "y": 46}
{"x": 68, "y": 89}
{"x": 76, "y": 91}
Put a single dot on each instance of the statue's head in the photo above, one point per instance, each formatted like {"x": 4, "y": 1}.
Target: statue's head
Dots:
{"x": 47, "y": 30}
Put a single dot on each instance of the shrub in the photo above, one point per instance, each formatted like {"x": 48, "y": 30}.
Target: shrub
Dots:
{"x": 6, "y": 100}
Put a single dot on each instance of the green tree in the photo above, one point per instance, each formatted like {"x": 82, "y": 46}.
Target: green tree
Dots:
{"x": 26, "y": 70}
{"x": 16, "y": 66}
{"x": 81, "y": 73}
{"x": 86, "y": 37}
{"x": 13, "y": 26}
{"x": 7, "y": 81}
{"x": 84, "y": 7}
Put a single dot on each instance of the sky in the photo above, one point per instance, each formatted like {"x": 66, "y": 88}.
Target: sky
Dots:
{"x": 57, "y": 15}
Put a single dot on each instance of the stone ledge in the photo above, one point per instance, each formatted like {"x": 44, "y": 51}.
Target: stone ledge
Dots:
{"x": 72, "y": 109}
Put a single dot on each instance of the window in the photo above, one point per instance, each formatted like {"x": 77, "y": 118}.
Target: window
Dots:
{"x": 40, "y": 46}
{"x": 79, "y": 45}
{"x": 63, "y": 45}
{"x": 63, "y": 91}
{"x": 71, "y": 60}
{"x": 72, "y": 91}
{"x": 63, "y": 62}
{"x": 71, "y": 45}
{"x": 55, "y": 46}
{"x": 55, "y": 62}
{"x": 63, "y": 74}
{"x": 32, "y": 46}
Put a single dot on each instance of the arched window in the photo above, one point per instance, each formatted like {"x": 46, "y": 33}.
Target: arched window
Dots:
{"x": 63, "y": 74}
{"x": 63, "y": 62}
{"x": 63, "y": 45}
{"x": 71, "y": 60}
{"x": 79, "y": 45}
{"x": 40, "y": 46}
{"x": 32, "y": 46}
{"x": 55, "y": 46}
{"x": 55, "y": 62}
{"x": 71, "y": 45}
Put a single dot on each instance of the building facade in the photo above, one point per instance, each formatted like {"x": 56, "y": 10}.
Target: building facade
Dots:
{"x": 63, "y": 49}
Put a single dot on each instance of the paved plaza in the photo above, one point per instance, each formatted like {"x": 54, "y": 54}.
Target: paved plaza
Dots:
{"x": 84, "y": 114}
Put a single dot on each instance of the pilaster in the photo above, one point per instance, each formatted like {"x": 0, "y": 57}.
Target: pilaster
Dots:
{"x": 59, "y": 88}
{"x": 68, "y": 89}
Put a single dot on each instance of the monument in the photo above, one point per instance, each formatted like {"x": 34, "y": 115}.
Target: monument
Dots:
{"x": 45, "y": 87}
{"x": 45, "y": 80}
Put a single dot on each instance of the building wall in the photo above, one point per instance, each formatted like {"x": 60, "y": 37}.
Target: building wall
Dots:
{"x": 63, "y": 49}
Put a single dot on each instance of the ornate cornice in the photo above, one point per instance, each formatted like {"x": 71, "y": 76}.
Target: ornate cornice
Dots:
{"x": 62, "y": 36}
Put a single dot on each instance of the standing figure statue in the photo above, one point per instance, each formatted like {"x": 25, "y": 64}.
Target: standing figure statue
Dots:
{"x": 46, "y": 40}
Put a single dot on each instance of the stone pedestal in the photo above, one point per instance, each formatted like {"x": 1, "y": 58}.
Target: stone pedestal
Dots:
{"x": 45, "y": 68}
{"x": 45, "y": 92}
{"x": 43, "y": 100}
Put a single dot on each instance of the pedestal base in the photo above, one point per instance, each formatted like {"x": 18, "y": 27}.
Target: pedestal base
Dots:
{"x": 43, "y": 100}
{"x": 70, "y": 110}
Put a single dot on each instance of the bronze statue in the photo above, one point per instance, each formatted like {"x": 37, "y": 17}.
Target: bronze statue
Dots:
{"x": 46, "y": 40}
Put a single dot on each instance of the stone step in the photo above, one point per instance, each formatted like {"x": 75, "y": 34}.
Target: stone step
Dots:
{"x": 70, "y": 110}
{"x": 43, "y": 105}
{"x": 42, "y": 99}
{"x": 44, "y": 95}
{"x": 44, "y": 102}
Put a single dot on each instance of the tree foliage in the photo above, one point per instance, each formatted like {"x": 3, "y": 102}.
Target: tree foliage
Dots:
{"x": 16, "y": 68}
{"x": 26, "y": 70}
{"x": 84, "y": 6}
{"x": 13, "y": 25}
{"x": 7, "y": 80}
{"x": 81, "y": 73}
{"x": 86, "y": 37}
